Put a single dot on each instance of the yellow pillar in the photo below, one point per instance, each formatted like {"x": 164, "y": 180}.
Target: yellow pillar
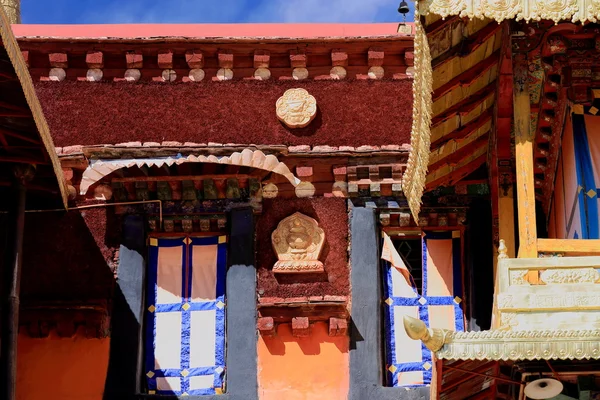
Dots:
{"x": 524, "y": 159}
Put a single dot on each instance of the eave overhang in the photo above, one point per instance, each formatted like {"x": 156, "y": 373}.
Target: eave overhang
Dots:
{"x": 25, "y": 136}
{"x": 434, "y": 24}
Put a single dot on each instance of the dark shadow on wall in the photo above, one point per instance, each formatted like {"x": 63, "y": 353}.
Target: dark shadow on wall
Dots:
{"x": 479, "y": 269}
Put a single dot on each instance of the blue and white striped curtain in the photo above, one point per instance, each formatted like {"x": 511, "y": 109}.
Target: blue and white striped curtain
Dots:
{"x": 409, "y": 362}
{"x": 185, "y": 328}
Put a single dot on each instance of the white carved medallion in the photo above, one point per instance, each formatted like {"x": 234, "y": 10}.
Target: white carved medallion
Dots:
{"x": 296, "y": 108}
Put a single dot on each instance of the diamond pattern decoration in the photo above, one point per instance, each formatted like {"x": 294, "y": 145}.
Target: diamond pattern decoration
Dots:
{"x": 186, "y": 306}
{"x": 427, "y": 366}
{"x": 219, "y": 370}
{"x": 152, "y": 309}
{"x": 591, "y": 193}
{"x": 187, "y": 240}
{"x": 220, "y": 304}
{"x": 457, "y": 300}
{"x": 389, "y": 301}
{"x": 218, "y": 391}
{"x": 150, "y": 374}
{"x": 422, "y": 301}
{"x": 392, "y": 369}
{"x": 184, "y": 394}
{"x": 185, "y": 373}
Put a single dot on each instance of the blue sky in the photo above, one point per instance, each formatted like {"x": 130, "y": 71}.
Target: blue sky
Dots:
{"x": 208, "y": 11}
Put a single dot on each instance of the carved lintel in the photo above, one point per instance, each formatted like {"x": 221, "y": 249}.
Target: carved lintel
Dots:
{"x": 298, "y": 241}
{"x": 434, "y": 339}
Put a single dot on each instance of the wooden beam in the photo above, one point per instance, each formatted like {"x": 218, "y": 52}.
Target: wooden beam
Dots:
{"x": 456, "y": 175}
{"x": 461, "y": 153}
{"x": 467, "y": 77}
{"x": 466, "y": 105}
{"x": 468, "y": 45}
{"x": 464, "y": 130}
{"x": 568, "y": 245}
{"x": 179, "y": 178}
{"x": 524, "y": 160}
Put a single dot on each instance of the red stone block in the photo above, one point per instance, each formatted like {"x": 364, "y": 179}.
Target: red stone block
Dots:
{"x": 304, "y": 172}
{"x": 339, "y": 58}
{"x": 338, "y": 327}
{"x": 271, "y": 300}
{"x": 335, "y": 298}
{"x": 94, "y": 59}
{"x": 303, "y": 299}
{"x": 262, "y": 59}
{"x": 226, "y": 60}
{"x": 58, "y": 60}
{"x": 339, "y": 173}
{"x": 376, "y": 57}
{"x": 134, "y": 60}
{"x": 266, "y": 326}
{"x": 298, "y": 59}
{"x": 194, "y": 59}
{"x": 165, "y": 59}
{"x": 300, "y": 327}
{"x": 409, "y": 58}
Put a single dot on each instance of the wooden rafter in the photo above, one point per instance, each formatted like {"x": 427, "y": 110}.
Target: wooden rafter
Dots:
{"x": 464, "y": 130}
{"x": 468, "y": 45}
{"x": 466, "y": 105}
{"x": 467, "y": 77}
{"x": 461, "y": 153}
{"x": 458, "y": 173}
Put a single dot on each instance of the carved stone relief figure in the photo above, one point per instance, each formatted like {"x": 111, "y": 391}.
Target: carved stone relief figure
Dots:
{"x": 298, "y": 241}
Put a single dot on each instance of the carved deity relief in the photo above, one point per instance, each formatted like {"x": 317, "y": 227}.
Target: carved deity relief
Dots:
{"x": 296, "y": 108}
{"x": 298, "y": 241}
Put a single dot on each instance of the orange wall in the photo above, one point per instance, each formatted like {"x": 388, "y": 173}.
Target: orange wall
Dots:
{"x": 61, "y": 368}
{"x": 315, "y": 367}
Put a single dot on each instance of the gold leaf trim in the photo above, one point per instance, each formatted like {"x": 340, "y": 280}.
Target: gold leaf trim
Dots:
{"x": 413, "y": 182}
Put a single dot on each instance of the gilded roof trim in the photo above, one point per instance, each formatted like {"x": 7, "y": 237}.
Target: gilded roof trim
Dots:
{"x": 18, "y": 62}
{"x": 521, "y": 345}
{"x": 574, "y": 10}
{"x": 413, "y": 182}
{"x": 496, "y": 345}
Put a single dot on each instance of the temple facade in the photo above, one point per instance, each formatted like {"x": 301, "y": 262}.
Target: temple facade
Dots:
{"x": 372, "y": 211}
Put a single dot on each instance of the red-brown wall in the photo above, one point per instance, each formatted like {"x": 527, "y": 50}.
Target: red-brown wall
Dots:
{"x": 351, "y": 113}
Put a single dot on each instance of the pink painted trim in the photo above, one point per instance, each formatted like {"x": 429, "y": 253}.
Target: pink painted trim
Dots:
{"x": 123, "y": 31}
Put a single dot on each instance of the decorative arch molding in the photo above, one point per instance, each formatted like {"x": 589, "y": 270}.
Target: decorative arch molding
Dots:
{"x": 98, "y": 169}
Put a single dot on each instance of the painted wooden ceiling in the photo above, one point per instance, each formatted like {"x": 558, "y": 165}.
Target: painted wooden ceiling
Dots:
{"x": 465, "y": 61}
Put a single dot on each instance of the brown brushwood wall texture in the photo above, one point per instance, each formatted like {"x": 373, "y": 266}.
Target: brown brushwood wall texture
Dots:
{"x": 350, "y": 113}
{"x": 332, "y": 216}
